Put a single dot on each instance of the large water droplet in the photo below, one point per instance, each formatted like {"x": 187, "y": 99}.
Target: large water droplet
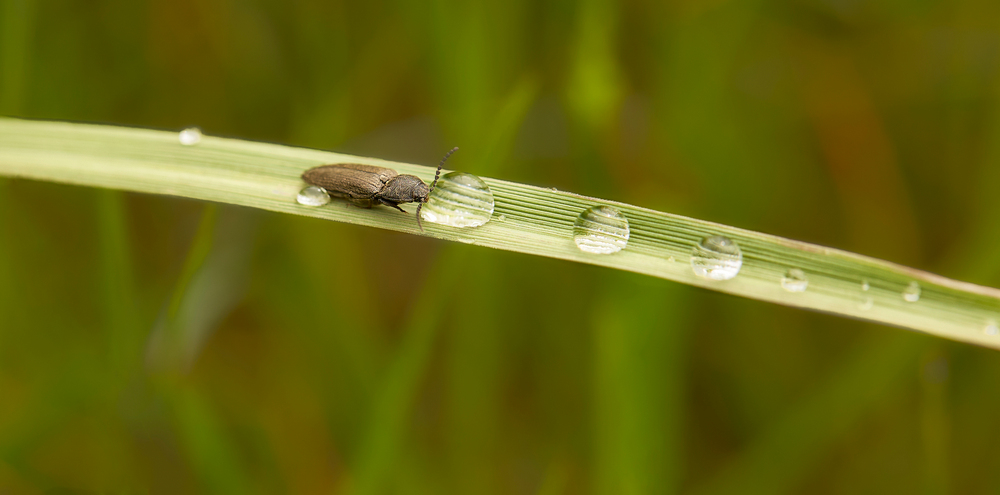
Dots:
{"x": 190, "y": 136}
{"x": 716, "y": 258}
{"x": 794, "y": 280}
{"x": 601, "y": 230}
{"x": 912, "y": 292}
{"x": 313, "y": 196}
{"x": 459, "y": 200}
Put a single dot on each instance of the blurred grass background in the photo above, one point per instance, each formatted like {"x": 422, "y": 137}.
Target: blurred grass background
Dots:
{"x": 158, "y": 345}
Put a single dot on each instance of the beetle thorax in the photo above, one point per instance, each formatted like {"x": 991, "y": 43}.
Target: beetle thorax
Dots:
{"x": 404, "y": 189}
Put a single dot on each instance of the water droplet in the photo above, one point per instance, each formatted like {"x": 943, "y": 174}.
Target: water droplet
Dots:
{"x": 190, "y": 136}
{"x": 912, "y": 292}
{"x": 867, "y": 302}
{"x": 716, "y": 258}
{"x": 670, "y": 259}
{"x": 459, "y": 200}
{"x": 794, "y": 280}
{"x": 601, "y": 230}
{"x": 313, "y": 196}
{"x": 991, "y": 328}
{"x": 502, "y": 218}
{"x": 466, "y": 240}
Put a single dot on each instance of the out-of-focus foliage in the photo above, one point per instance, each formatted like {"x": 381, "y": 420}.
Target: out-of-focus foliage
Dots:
{"x": 156, "y": 345}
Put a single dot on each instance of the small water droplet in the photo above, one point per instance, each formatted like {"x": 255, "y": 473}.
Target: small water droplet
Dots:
{"x": 554, "y": 189}
{"x": 466, "y": 240}
{"x": 502, "y": 218}
{"x": 717, "y": 258}
{"x": 867, "y": 302}
{"x": 459, "y": 200}
{"x": 190, "y": 136}
{"x": 313, "y": 196}
{"x": 601, "y": 230}
{"x": 670, "y": 259}
{"x": 912, "y": 292}
{"x": 991, "y": 328}
{"x": 795, "y": 280}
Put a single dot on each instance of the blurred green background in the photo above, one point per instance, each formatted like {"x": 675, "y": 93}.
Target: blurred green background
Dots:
{"x": 160, "y": 345}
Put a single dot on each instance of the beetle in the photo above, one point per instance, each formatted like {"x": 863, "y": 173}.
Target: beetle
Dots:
{"x": 369, "y": 185}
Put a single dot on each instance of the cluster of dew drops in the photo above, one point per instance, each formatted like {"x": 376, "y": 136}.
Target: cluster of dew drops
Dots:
{"x": 464, "y": 200}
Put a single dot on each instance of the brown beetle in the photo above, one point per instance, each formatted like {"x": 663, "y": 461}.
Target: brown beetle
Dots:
{"x": 369, "y": 185}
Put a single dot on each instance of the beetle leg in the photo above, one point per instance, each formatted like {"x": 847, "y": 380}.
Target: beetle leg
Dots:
{"x": 389, "y": 203}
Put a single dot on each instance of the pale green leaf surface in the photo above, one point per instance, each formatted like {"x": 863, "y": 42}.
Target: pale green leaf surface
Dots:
{"x": 535, "y": 221}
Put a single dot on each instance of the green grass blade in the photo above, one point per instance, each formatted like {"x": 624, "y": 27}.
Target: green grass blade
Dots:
{"x": 536, "y": 221}
{"x": 16, "y": 30}
{"x": 7, "y": 292}
{"x": 170, "y": 338}
{"x": 396, "y": 397}
{"x": 476, "y": 368}
{"x": 117, "y": 282}
{"x": 202, "y": 435}
{"x": 640, "y": 344}
{"x": 212, "y": 282}
{"x": 782, "y": 455}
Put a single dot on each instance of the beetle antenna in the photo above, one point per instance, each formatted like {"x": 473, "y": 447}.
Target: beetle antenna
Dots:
{"x": 436, "y": 175}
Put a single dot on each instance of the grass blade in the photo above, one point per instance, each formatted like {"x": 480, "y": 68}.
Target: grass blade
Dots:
{"x": 397, "y": 395}
{"x": 117, "y": 282}
{"x": 537, "y": 221}
{"x": 785, "y": 453}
